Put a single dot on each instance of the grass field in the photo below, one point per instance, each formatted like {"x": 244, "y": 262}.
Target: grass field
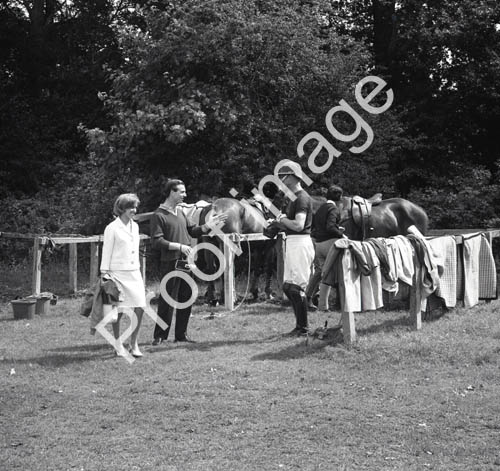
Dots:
{"x": 246, "y": 398}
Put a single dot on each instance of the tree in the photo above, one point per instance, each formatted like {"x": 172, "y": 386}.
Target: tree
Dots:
{"x": 51, "y": 70}
{"x": 441, "y": 57}
{"x": 221, "y": 92}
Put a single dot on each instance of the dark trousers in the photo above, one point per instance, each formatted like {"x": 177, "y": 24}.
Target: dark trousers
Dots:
{"x": 298, "y": 299}
{"x": 180, "y": 291}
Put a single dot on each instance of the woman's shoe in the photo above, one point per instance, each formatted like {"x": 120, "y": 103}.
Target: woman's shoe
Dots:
{"x": 121, "y": 351}
{"x": 136, "y": 353}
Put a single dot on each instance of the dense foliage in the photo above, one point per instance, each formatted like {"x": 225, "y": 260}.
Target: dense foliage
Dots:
{"x": 100, "y": 97}
{"x": 219, "y": 93}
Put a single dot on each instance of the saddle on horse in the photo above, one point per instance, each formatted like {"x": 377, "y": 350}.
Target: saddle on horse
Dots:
{"x": 258, "y": 203}
{"x": 360, "y": 210}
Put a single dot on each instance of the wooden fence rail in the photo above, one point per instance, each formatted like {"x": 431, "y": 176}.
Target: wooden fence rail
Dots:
{"x": 348, "y": 319}
{"x": 39, "y": 243}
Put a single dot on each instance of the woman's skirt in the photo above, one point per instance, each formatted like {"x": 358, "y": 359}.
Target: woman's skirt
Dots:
{"x": 132, "y": 287}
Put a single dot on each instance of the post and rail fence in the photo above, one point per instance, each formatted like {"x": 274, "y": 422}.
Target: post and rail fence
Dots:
{"x": 348, "y": 320}
{"x": 40, "y": 242}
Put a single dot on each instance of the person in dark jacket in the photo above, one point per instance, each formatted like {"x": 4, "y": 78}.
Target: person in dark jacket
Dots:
{"x": 170, "y": 234}
{"x": 325, "y": 229}
{"x": 299, "y": 249}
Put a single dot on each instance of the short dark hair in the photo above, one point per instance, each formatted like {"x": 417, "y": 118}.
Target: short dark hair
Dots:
{"x": 173, "y": 184}
{"x": 334, "y": 193}
{"x": 124, "y": 202}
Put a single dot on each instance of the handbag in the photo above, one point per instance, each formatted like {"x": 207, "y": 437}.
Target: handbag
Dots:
{"x": 87, "y": 302}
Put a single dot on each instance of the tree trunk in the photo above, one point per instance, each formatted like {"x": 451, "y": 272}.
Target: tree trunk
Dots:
{"x": 384, "y": 32}
{"x": 41, "y": 16}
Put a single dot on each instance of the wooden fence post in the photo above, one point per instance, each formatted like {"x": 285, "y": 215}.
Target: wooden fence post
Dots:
{"x": 73, "y": 268}
{"x": 36, "y": 279}
{"x": 416, "y": 295}
{"x": 94, "y": 261}
{"x": 228, "y": 276}
{"x": 348, "y": 328}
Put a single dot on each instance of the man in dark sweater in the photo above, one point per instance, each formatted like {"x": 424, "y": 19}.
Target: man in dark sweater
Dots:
{"x": 299, "y": 249}
{"x": 170, "y": 235}
{"x": 325, "y": 229}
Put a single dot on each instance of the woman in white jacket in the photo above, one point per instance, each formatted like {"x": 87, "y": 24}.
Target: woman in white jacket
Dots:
{"x": 120, "y": 260}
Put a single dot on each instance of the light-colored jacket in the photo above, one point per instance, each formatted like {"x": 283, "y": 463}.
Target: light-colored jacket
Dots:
{"x": 120, "y": 250}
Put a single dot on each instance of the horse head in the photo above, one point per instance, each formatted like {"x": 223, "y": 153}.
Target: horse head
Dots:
{"x": 242, "y": 218}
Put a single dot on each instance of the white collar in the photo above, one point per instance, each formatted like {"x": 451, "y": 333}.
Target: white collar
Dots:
{"x": 126, "y": 227}
{"x": 167, "y": 208}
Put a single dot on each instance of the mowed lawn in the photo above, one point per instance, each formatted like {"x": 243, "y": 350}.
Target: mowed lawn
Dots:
{"x": 246, "y": 398}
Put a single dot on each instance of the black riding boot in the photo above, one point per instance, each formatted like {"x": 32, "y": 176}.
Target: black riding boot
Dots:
{"x": 287, "y": 289}
{"x": 299, "y": 302}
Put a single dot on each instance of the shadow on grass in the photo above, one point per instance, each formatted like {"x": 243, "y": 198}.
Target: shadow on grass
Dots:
{"x": 392, "y": 324}
{"x": 385, "y": 326}
{"x": 257, "y": 308}
{"x": 82, "y": 348}
{"x": 62, "y": 359}
{"x": 62, "y": 356}
{"x": 200, "y": 346}
{"x": 302, "y": 346}
{"x": 332, "y": 337}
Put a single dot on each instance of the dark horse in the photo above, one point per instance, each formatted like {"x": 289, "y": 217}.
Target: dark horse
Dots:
{"x": 242, "y": 218}
{"x": 376, "y": 217}
{"x": 361, "y": 218}
{"x": 373, "y": 217}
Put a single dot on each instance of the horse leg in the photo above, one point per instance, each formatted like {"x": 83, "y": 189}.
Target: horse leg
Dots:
{"x": 211, "y": 294}
{"x": 219, "y": 290}
{"x": 210, "y": 266}
{"x": 257, "y": 268}
{"x": 267, "y": 287}
{"x": 269, "y": 268}
{"x": 254, "y": 285}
